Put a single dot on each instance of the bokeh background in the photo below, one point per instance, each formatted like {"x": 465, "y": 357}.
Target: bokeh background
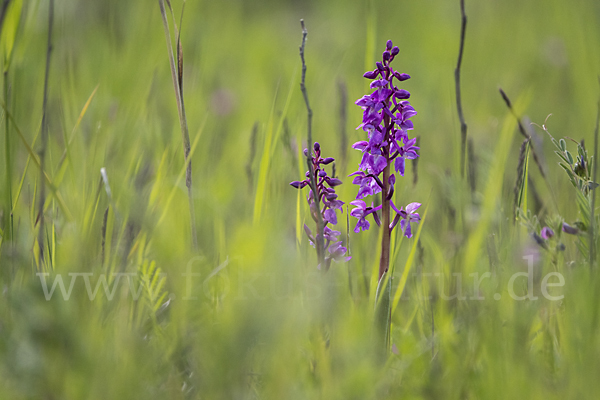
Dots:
{"x": 258, "y": 320}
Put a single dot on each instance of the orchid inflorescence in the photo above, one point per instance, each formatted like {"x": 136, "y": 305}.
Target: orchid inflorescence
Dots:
{"x": 386, "y": 119}
{"x": 326, "y": 205}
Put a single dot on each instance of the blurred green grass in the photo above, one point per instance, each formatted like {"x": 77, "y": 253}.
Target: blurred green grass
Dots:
{"x": 266, "y": 324}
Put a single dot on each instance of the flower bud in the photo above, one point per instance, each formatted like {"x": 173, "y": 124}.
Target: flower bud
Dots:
{"x": 327, "y": 160}
{"x": 317, "y": 146}
{"x": 305, "y": 152}
{"x": 333, "y": 181}
{"x": 331, "y": 196}
{"x": 297, "y": 184}
{"x": 395, "y": 50}
{"x": 322, "y": 173}
{"x": 379, "y": 66}
{"x": 386, "y": 56}
{"x": 389, "y": 45}
{"x": 401, "y": 77}
{"x": 371, "y": 74}
{"x": 539, "y": 240}
{"x": 402, "y": 94}
{"x": 566, "y": 228}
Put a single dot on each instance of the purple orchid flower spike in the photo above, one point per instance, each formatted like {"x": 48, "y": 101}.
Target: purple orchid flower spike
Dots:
{"x": 386, "y": 120}
{"x": 327, "y": 204}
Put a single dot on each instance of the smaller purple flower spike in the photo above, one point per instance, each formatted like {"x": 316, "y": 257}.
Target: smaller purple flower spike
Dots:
{"x": 326, "y": 204}
{"x": 546, "y": 233}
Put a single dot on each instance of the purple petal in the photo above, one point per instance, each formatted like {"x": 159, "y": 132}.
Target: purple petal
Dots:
{"x": 362, "y": 224}
{"x": 547, "y": 233}
{"x": 330, "y": 216}
{"x": 379, "y": 164}
{"x": 408, "y": 231}
{"x": 359, "y": 203}
{"x": 399, "y": 165}
{"x": 360, "y": 145}
{"x": 412, "y": 207}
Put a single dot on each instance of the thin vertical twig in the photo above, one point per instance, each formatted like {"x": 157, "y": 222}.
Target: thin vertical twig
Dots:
{"x": 8, "y": 217}
{"x": 463, "y": 124}
{"x": 472, "y": 168}
{"x": 593, "y": 217}
{"x": 177, "y": 77}
{"x": 8, "y": 160}
{"x": 249, "y": 172}
{"x": 415, "y": 164}
{"x": 45, "y": 134}
{"x": 3, "y": 9}
{"x": 343, "y": 92}
{"x": 320, "y": 239}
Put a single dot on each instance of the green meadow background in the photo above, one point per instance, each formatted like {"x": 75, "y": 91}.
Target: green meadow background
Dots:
{"x": 247, "y": 315}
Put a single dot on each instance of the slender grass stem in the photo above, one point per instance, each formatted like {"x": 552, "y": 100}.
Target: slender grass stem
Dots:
{"x": 7, "y": 223}
{"x": 42, "y": 197}
{"x": 592, "y": 231}
{"x": 177, "y": 76}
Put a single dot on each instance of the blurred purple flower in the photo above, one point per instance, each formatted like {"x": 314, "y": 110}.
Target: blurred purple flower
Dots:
{"x": 546, "y": 233}
{"x": 571, "y": 230}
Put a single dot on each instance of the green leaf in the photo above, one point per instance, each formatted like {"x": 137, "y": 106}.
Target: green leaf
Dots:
{"x": 563, "y": 145}
{"x": 522, "y": 199}
{"x": 561, "y": 156}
